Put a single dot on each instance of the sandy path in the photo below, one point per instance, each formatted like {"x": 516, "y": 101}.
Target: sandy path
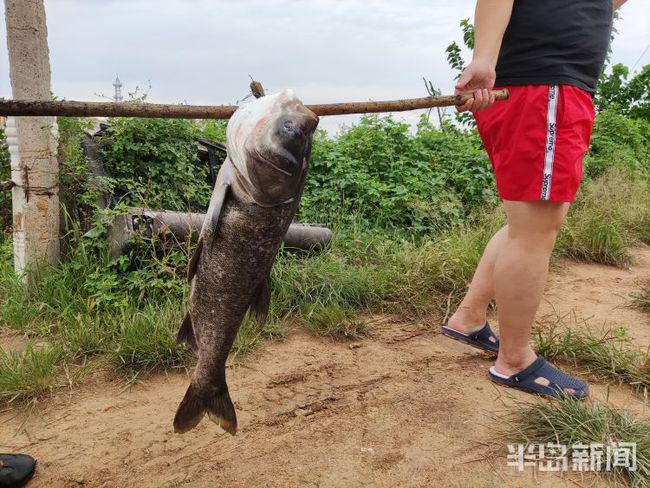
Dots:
{"x": 408, "y": 407}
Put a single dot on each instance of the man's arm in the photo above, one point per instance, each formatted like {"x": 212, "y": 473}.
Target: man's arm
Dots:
{"x": 618, "y": 3}
{"x": 490, "y": 22}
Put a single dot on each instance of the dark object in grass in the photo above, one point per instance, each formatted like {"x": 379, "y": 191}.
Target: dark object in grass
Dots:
{"x": 255, "y": 198}
{"x": 16, "y": 470}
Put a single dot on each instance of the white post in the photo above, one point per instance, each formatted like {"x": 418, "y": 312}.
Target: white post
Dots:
{"x": 32, "y": 140}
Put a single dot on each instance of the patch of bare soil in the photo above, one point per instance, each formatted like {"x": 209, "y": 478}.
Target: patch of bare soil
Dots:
{"x": 405, "y": 407}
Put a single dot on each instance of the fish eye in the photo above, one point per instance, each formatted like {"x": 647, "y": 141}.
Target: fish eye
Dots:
{"x": 289, "y": 126}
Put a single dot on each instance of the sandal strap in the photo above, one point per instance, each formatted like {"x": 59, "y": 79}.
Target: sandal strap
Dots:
{"x": 485, "y": 333}
{"x": 529, "y": 371}
{"x": 558, "y": 380}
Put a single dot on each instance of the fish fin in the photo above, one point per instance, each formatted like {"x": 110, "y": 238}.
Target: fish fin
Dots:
{"x": 261, "y": 300}
{"x": 209, "y": 229}
{"x": 221, "y": 192}
{"x": 186, "y": 333}
{"x": 194, "y": 262}
{"x": 194, "y": 406}
{"x": 222, "y": 411}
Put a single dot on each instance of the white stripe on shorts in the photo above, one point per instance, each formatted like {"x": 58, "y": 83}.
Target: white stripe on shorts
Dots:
{"x": 551, "y": 137}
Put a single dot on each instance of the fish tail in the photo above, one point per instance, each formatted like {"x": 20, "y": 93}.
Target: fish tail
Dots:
{"x": 194, "y": 406}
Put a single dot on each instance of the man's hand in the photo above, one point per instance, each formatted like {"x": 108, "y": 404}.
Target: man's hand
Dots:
{"x": 479, "y": 78}
{"x": 490, "y": 22}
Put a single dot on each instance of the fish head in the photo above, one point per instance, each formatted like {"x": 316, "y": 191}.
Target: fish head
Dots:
{"x": 269, "y": 144}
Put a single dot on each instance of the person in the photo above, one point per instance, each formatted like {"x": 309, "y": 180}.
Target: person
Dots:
{"x": 16, "y": 470}
{"x": 549, "y": 56}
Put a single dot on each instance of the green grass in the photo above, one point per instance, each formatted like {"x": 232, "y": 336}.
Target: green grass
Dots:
{"x": 642, "y": 297}
{"x": 332, "y": 321}
{"x": 609, "y": 216}
{"x": 146, "y": 339}
{"x": 569, "y": 422}
{"x": 609, "y": 355}
{"x": 30, "y": 373}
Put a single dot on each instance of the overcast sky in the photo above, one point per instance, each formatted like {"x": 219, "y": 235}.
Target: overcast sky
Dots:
{"x": 202, "y": 51}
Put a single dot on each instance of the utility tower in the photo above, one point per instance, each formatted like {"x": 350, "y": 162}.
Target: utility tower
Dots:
{"x": 118, "y": 90}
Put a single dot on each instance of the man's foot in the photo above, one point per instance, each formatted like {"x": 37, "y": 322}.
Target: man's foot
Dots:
{"x": 16, "y": 470}
{"x": 465, "y": 322}
{"x": 542, "y": 378}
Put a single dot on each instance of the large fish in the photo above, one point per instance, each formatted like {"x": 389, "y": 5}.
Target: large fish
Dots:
{"x": 255, "y": 198}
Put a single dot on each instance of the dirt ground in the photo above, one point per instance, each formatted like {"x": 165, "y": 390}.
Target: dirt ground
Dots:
{"x": 404, "y": 407}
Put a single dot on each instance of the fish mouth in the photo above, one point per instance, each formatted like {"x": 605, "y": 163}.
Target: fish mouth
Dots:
{"x": 259, "y": 157}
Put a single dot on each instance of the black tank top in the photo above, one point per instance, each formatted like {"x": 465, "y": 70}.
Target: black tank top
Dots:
{"x": 551, "y": 42}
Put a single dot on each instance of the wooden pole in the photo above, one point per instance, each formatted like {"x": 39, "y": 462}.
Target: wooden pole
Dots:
{"x": 152, "y": 110}
{"x": 32, "y": 143}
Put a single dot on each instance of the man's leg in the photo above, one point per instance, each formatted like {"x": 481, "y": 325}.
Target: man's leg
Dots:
{"x": 471, "y": 314}
{"x": 520, "y": 275}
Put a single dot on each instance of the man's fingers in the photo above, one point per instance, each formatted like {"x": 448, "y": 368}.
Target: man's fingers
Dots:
{"x": 467, "y": 106}
{"x": 478, "y": 101}
{"x": 482, "y": 99}
{"x": 485, "y": 98}
{"x": 464, "y": 79}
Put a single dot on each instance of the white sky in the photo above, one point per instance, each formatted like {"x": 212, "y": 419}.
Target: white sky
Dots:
{"x": 202, "y": 51}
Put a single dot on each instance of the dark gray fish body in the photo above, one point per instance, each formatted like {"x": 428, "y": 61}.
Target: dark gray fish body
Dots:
{"x": 254, "y": 201}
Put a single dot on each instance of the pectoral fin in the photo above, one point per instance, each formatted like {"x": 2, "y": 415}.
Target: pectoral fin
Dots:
{"x": 186, "y": 333}
{"x": 259, "y": 305}
{"x": 209, "y": 229}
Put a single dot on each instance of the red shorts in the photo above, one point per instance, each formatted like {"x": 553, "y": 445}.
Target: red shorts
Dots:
{"x": 537, "y": 140}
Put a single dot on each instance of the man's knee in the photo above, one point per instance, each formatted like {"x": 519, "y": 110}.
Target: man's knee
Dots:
{"x": 536, "y": 223}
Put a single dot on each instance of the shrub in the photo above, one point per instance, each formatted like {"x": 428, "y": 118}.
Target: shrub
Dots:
{"x": 154, "y": 163}
{"x": 5, "y": 174}
{"x": 380, "y": 173}
{"x": 619, "y": 142}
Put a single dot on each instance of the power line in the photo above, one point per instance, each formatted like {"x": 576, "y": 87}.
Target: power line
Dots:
{"x": 640, "y": 57}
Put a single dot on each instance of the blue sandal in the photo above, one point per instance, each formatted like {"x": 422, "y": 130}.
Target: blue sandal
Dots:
{"x": 485, "y": 339}
{"x": 543, "y": 378}
{"x": 16, "y": 470}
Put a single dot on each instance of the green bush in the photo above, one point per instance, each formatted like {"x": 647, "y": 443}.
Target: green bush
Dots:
{"x": 382, "y": 174}
{"x": 619, "y": 142}
{"x": 628, "y": 95}
{"x": 82, "y": 192}
{"x": 154, "y": 163}
{"x": 5, "y": 174}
